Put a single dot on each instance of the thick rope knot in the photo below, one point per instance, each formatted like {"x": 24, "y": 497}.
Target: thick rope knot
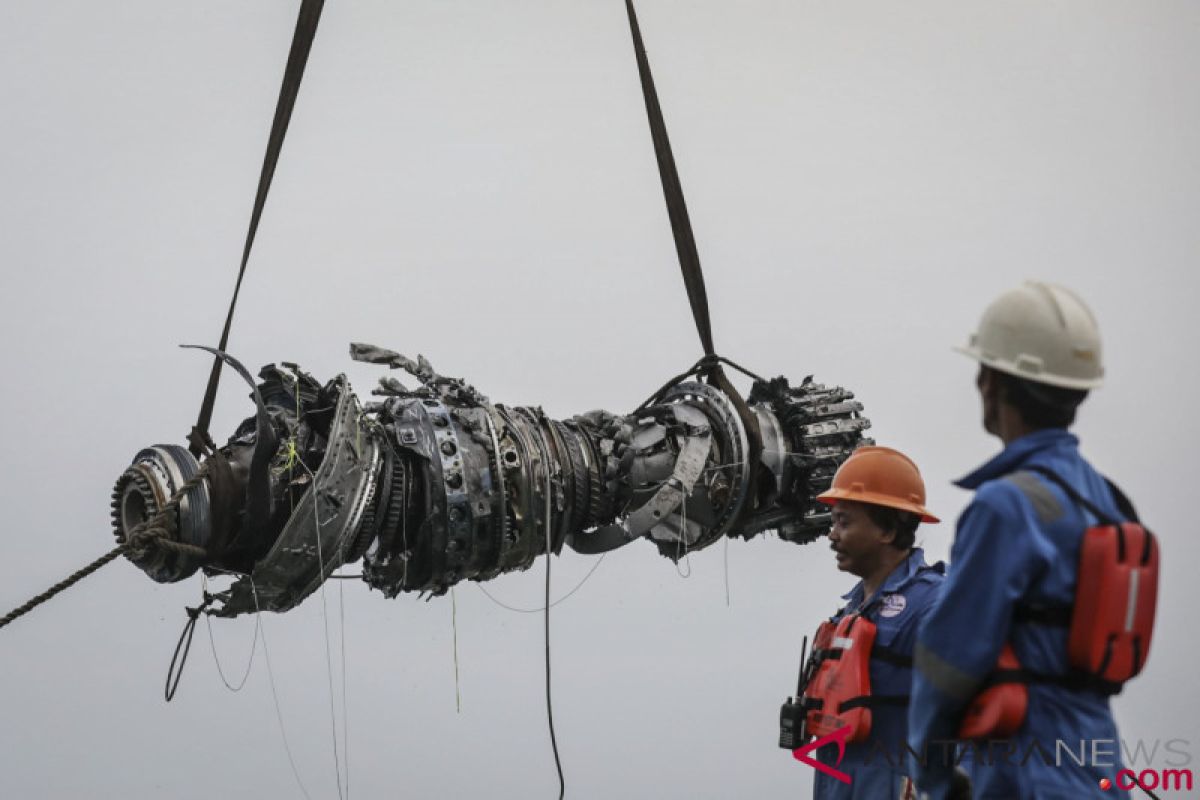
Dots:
{"x": 151, "y": 533}
{"x": 155, "y": 532}
{"x": 140, "y": 543}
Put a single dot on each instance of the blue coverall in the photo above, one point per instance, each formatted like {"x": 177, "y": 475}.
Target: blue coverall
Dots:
{"x": 1017, "y": 543}
{"x": 877, "y": 766}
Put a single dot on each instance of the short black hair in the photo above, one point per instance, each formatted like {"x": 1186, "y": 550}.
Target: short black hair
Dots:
{"x": 902, "y": 523}
{"x": 1038, "y": 404}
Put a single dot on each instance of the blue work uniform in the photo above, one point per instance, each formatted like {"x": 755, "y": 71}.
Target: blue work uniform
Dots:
{"x": 1017, "y": 546}
{"x": 876, "y": 766}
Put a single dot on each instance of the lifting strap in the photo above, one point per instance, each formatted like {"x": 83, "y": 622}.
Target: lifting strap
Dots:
{"x": 681, "y": 224}
{"x": 685, "y": 246}
{"x": 302, "y": 39}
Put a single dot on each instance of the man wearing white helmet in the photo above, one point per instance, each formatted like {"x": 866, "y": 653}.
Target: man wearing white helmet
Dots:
{"x": 1014, "y": 573}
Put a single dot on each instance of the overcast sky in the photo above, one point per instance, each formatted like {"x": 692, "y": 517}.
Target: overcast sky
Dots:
{"x": 474, "y": 181}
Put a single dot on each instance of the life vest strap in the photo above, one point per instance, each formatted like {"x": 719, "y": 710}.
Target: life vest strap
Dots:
{"x": 1075, "y": 680}
{"x": 879, "y": 652}
{"x": 874, "y": 701}
{"x": 1052, "y": 616}
{"x": 890, "y": 656}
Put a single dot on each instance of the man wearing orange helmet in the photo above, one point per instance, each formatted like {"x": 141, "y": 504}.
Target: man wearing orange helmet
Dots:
{"x": 1014, "y": 604}
{"x": 859, "y": 674}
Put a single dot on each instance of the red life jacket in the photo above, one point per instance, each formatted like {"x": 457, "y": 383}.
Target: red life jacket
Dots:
{"x": 839, "y": 692}
{"x": 1110, "y": 622}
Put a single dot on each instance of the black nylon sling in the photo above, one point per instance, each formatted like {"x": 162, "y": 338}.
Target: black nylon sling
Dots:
{"x": 302, "y": 39}
{"x": 685, "y": 245}
{"x": 681, "y": 224}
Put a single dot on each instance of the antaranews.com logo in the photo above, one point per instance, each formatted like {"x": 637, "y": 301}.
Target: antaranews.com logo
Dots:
{"x": 1134, "y": 764}
{"x": 839, "y": 738}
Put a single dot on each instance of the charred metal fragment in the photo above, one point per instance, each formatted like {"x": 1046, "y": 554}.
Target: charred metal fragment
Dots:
{"x": 434, "y": 485}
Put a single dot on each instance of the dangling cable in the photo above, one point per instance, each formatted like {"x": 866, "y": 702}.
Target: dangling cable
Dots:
{"x": 275, "y": 695}
{"x": 337, "y": 767}
{"x": 342, "y": 643}
{"x": 562, "y": 784}
{"x": 727, "y": 572}
{"x": 213, "y": 644}
{"x": 682, "y": 540}
{"x": 189, "y": 628}
{"x": 345, "y": 706}
{"x": 454, "y": 631}
{"x": 578, "y": 586}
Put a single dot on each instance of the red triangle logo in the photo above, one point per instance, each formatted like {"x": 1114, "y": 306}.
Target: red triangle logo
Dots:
{"x": 840, "y": 736}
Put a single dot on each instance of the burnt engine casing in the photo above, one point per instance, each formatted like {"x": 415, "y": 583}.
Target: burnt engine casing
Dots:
{"x": 434, "y": 485}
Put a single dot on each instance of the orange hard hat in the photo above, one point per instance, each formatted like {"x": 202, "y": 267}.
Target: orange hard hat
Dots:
{"x": 880, "y": 476}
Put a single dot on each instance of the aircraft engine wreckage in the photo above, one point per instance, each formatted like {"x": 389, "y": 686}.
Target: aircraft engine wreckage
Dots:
{"x": 436, "y": 484}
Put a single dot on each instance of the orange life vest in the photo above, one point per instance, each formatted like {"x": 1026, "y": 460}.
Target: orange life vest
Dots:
{"x": 1110, "y": 622}
{"x": 998, "y": 711}
{"x": 839, "y": 692}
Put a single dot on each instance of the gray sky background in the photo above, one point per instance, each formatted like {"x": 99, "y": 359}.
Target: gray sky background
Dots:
{"x": 474, "y": 181}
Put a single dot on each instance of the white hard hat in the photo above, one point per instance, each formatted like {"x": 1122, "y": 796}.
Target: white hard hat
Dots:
{"x": 1043, "y": 333}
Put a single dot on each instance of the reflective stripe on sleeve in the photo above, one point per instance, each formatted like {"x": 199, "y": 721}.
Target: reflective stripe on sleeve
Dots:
{"x": 947, "y": 678}
{"x": 1044, "y": 503}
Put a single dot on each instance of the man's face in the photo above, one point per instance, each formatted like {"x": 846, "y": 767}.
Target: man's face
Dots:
{"x": 857, "y": 542}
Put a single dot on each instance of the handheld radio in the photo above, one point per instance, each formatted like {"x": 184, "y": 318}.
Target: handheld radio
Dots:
{"x": 791, "y": 713}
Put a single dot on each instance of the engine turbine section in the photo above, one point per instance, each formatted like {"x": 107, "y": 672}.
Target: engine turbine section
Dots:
{"x": 434, "y": 485}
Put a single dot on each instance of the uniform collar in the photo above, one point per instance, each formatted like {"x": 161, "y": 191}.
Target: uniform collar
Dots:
{"x": 896, "y": 579}
{"x": 1018, "y": 452}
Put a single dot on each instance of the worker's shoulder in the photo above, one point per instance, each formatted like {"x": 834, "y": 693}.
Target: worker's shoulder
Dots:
{"x": 922, "y": 587}
{"x": 1012, "y": 494}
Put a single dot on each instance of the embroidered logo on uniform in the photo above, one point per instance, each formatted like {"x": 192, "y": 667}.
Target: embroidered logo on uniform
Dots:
{"x": 893, "y": 605}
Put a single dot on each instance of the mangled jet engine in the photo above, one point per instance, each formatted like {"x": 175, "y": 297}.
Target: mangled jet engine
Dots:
{"x": 435, "y": 484}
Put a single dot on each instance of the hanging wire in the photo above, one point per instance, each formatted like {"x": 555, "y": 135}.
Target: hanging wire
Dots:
{"x": 184, "y": 644}
{"x": 726, "y": 572}
{"x": 212, "y": 641}
{"x": 275, "y": 694}
{"x": 682, "y": 542}
{"x": 337, "y": 767}
{"x": 345, "y": 707}
{"x": 540, "y": 609}
{"x": 454, "y": 630}
{"x": 562, "y": 784}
